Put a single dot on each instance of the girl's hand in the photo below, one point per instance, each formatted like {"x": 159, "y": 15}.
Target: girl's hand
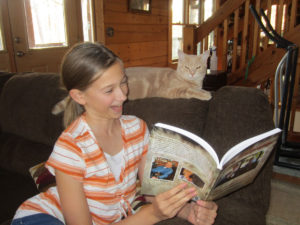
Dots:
{"x": 167, "y": 205}
{"x": 202, "y": 212}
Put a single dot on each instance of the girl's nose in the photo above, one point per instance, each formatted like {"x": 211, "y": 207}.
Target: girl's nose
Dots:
{"x": 122, "y": 94}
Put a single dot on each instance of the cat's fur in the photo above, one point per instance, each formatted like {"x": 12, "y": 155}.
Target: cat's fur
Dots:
{"x": 185, "y": 82}
{"x": 146, "y": 82}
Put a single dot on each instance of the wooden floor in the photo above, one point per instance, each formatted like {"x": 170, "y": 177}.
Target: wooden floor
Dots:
{"x": 285, "y": 198}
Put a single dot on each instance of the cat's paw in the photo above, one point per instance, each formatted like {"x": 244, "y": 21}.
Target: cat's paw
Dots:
{"x": 204, "y": 95}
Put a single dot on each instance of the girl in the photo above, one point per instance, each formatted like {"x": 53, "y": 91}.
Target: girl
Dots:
{"x": 97, "y": 158}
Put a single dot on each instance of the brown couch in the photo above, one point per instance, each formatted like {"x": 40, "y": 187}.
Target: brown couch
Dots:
{"x": 29, "y": 130}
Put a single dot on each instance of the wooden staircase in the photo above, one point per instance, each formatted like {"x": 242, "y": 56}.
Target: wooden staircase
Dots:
{"x": 254, "y": 58}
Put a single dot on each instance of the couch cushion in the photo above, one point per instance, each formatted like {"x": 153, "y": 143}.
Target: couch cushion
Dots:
{"x": 15, "y": 188}
{"x": 25, "y": 107}
{"x": 189, "y": 114}
{"x": 18, "y": 154}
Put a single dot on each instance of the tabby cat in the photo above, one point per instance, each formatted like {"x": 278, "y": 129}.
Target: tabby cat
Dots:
{"x": 146, "y": 82}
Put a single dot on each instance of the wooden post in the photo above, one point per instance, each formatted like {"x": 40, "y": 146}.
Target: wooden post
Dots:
{"x": 279, "y": 17}
{"x": 225, "y": 45}
{"x": 269, "y": 8}
{"x": 189, "y": 45}
{"x": 99, "y": 21}
{"x": 256, "y": 36}
{"x": 235, "y": 40}
{"x": 293, "y": 14}
{"x": 245, "y": 34}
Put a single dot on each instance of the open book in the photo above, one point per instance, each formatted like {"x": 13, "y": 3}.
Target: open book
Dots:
{"x": 176, "y": 155}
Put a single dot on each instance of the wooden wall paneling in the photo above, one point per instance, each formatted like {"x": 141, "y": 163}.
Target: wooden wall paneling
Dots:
{"x": 137, "y": 33}
{"x": 137, "y": 53}
{"x": 138, "y": 37}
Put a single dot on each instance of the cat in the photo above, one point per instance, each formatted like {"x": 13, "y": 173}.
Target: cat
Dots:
{"x": 185, "y": 82}
{"x": 146, "y": 82}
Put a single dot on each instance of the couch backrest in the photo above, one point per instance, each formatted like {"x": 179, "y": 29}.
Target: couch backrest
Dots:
{"x": 25, "y": 107}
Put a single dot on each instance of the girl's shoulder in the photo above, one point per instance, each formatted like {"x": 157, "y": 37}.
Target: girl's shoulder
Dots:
{"x": 132, "y": 122}
{"x": 77, "y": 128}
{"x": 130, "y": 119}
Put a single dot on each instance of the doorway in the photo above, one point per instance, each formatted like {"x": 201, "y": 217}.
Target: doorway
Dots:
{"x": 35, "y": 34}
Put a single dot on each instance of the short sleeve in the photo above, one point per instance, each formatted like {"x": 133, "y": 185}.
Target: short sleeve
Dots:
{"x": 67, "y": 158}
{"x": 146, "y": 137}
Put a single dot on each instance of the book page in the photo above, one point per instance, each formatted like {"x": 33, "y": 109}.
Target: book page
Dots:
{"x": 235, "y": 150}
{"x": 193, "y": 137}
{"x": 242, "y": 169}
{"x": 172, "y": 160}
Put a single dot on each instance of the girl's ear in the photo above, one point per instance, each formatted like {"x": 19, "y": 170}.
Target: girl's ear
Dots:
{"x": 77, "y": 96}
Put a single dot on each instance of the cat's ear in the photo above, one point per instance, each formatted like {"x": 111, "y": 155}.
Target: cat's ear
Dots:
{"x": 180, "y": 54}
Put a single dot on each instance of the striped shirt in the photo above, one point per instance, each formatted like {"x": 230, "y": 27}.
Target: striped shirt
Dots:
{"x": 77, "y": 154}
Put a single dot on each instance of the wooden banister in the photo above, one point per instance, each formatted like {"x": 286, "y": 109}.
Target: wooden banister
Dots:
{"x": 218, "y": 17}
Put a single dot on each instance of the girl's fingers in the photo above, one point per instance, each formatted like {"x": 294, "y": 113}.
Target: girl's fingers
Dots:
{"x": 182, "y": 197}
{"x": 208, "y": 204}
{"x": 170, "y": 202}
{"x": 168, "y": 194}
{"x": 205, "y": 212}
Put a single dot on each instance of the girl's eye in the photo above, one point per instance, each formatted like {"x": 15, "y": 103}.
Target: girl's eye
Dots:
{"x": 124, "y": 81}
{"x": 108, "y": 91}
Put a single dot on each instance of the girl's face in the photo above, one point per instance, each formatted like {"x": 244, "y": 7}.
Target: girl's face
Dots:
{"x": 105, "y": 96}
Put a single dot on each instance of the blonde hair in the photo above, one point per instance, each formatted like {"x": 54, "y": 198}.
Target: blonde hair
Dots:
{"x": 82, "y": 65}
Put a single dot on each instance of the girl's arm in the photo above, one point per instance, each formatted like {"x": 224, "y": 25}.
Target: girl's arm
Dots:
{"x": 74, "y": 205}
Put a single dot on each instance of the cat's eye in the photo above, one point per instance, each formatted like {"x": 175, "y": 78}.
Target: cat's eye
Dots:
{"x": 198, "y": 67}
{"x": 187, "y": 67}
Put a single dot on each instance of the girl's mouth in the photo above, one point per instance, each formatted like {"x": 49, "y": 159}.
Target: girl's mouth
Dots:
{"x": 117, "y": 109}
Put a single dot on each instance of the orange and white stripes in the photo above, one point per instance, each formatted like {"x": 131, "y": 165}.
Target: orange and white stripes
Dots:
{"x": 77, "y": 154}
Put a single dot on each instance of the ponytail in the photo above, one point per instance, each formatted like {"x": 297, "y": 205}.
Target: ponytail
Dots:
{"x": 72, "y": 111}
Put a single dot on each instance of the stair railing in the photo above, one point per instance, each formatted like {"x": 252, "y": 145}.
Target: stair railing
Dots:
{"x": 237, "y": 36}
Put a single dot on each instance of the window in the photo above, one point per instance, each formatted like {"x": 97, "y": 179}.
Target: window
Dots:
{"x": 87, "y": 20}
{"x": 185, "y": 12}
{"x": 44, "y": 26}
